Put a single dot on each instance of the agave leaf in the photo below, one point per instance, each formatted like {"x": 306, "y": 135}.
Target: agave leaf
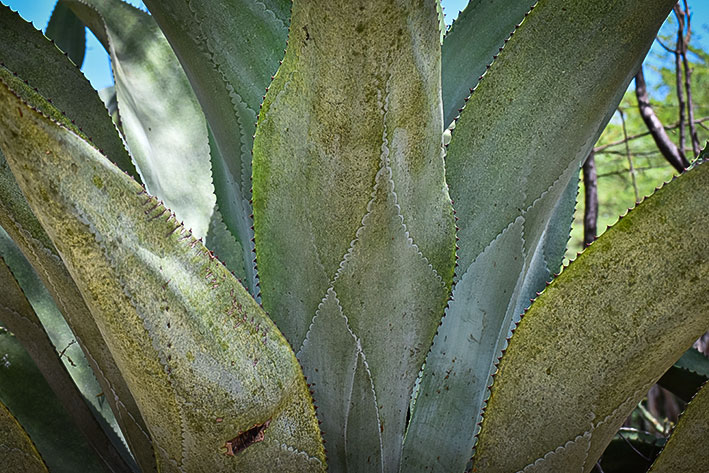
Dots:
{"x": 472, "y": 42}
{"x": 350, "y": 199}
{"x": 18, "y": 451}
{"x": 502, "y": 165}
{"x": 68, "y": 32}
{"x": 25, "y": 52}
{"x": 160, "y": 117}
{"x": 686, "y": 376}
{"x": 18, "y": 220}
{"x": 683, "y": 451}
{"x": 40, "y": 328}
{"x": 32, "y": 402}
{"x": 206, "y": 366}
{"x": 229, "y": 50}
{"x": 602, "y": 333}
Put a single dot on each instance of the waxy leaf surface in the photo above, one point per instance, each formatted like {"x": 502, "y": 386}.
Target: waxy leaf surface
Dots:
{"x": 602, "y": 333}
{"x": 201, "y": 358}
{"x": 352, "y": 214}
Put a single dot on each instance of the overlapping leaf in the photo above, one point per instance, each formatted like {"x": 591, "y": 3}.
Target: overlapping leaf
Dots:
{"x": 68, "y": 32}
{"x": 18, "y": 452}
{"x": 160, "y": 117}
{"x": 514, "y": 156}
{"x": 602, "y": 333}
{"x": 32, "y": 402}
{"x": 352, "y": 214}
{"x": 17, "y": 219}
{"x": 25, "y": 52}
{"x": 684, "y": 451}
{"x": 201, "y": 358}
{"x": 28, "y": 311}
{"x": 474, "y": 38}
{"x": 229, "y": 49}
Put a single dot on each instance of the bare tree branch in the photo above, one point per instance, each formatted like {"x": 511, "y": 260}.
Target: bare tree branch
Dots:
{"x": 654, "y": 126}
{"x": 631, "y": 168}
{"x": 678, "y": 75}
{"x": 590, "y": 190}
{"x": 687, "y": 82}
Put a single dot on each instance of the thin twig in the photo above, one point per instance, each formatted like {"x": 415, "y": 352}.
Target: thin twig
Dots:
{"x": 63, "y": 353}
{"x": 631, "y": 168}
{"x": 666, "y": 48}
{"x": 647, "y": 415}
{"x": 678, "y": 76}
{"x": 633, "y": 446}
{"x": 688, "y": 83}
{"x": 674, "y": 126}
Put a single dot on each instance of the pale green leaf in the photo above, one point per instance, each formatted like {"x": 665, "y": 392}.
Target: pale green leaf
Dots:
{"x": 32, "y": 402}
{"x": 602, "y": 333}
{"x": 685, "y": 450}
{"x": 159, "y": 114}
{"x": 18, "y": 452}
{"x": 28, "y": 311}
{"x": 229, "y": 49}
{"x": 474, "y": 39}
{"x": 203, "y": 361}
{"x": 457, "y": 371}
{"x": 505, "y": 163}
{"x": 350, "y": 200}
{"x": 17, "y": 219}
{"x": 25, "y": 52}
{"x": 68, "y": 32}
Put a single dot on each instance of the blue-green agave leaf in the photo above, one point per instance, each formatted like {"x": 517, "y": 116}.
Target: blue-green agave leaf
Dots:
{"x": 29, "y": 312}
{"x": 25, "y": 52}
{"x": 67, "y": 32}
{"x": 30, "y": 399}
{"x": 18, "y": 452}
{"x": 351, "y": 208}
{"x": 17, "y": 218}
{"x": 205, "y": 364}
{"x": 159, "y": 114}
{"x": 503, "y": 164}
{"x": 229, "y": 50}
{"x": 471, "y": 44}
{"x": 601, "y": 334}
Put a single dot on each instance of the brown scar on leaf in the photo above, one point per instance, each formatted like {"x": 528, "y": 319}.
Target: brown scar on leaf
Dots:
{"x": 245, "y": 439}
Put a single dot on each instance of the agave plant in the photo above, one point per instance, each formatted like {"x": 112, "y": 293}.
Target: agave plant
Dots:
{"x": 360, "y": 229}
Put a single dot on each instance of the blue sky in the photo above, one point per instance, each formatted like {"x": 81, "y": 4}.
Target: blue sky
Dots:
{"x": 97, "y": 69}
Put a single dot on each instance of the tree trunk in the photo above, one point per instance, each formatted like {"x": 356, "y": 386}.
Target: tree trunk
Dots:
{"x": 590, "y": 190}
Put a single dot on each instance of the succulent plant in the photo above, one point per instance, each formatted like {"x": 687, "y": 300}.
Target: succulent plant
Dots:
{"x": 360, "y": 229}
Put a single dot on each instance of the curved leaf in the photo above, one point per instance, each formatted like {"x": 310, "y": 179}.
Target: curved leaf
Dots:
{"x": 683, "y": 451}
{"x": 18, "y": 220}
{"x": 32, "y": 402}
{"x": 602, "y": 333}
{"x": 204, "y": 362}
{"x": 25, "y": 52}
{"x": 68, "y": 32}
{"x": 686, "y": 376}
{"x": 229, "y": 49}
{"x": 160, "y": 117}
{"x": 350, "y": 205}
{"x": 505, "y": 163}
{"x": 68, "y": 374}
{"x": 471, "y": 44}
{"x": 18, "y": 451}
